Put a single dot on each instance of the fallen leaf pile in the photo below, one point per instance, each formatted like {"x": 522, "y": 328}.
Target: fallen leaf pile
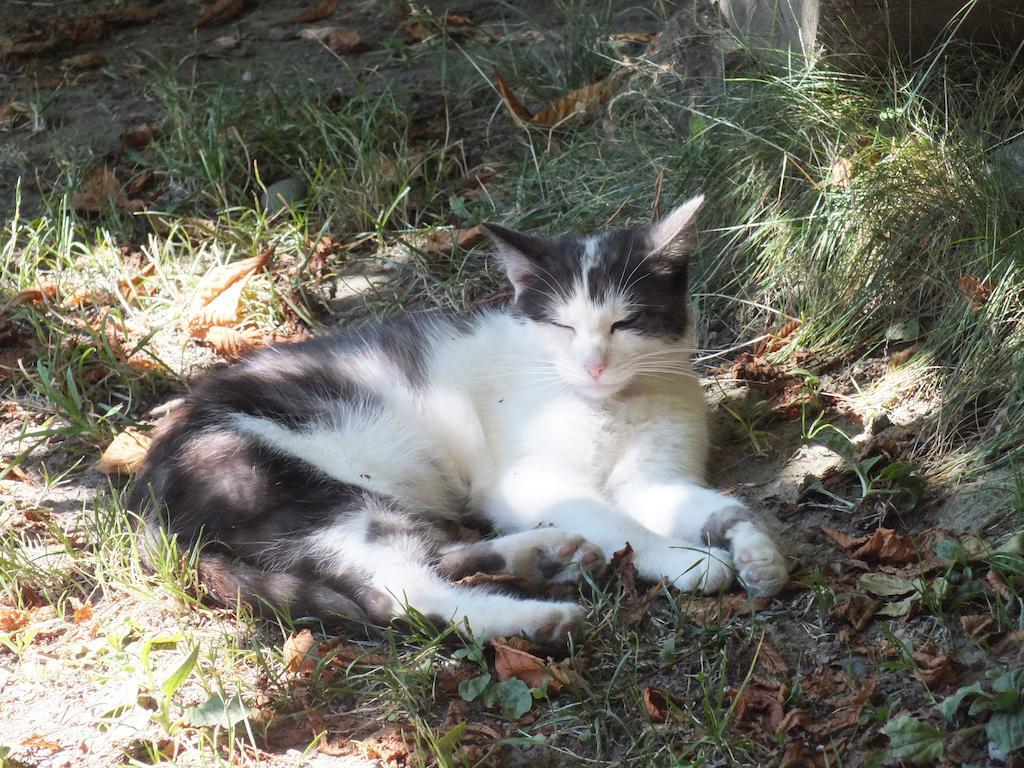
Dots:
{"x": 63, "y": 33}
{"x": 214, "y": 313}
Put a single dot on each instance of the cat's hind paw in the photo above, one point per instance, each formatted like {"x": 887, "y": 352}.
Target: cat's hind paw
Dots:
{"x": 759, "y": 564}
{"x": 568, "y": 557}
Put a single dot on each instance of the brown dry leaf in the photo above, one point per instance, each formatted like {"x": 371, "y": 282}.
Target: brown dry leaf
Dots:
{"x": 887, "y": 546}
{"x": 37, "y": 295}
{"x": 843, "y": 540}
{"x": 38, "y": 742}
{"x": 99, "y": 190}
{"x": 82, "y": 612}
{"x": 935, "y": 670}
{"x": 580, "y": 103}
{"x": 441, "y": 240}
{"x": 299, "y": 652}
{"x": 138, "y": 136}
{"x": 494, "y": 579}
{"x": 125, "y": 453}
{"x": 321, "y": 10}
{"x": 795, "y": 718}
{"x": 642, "y": 38}
{"x": 340, "y": 40}
{"x": 978, "y": 624}
{"x": 15, "y": 471}
{"x": 131, "y": 14}
{"x": 759, "y": 707}
{"x": 847, "y": 711}
{"x": 772, "y": 660}
{"x": 15, "y": 114}
{"x": 90, "y": 60}
{"x": 138, "y": 183}
{"x": 532, "y": 670}
{"x": 12, "y": 619}
{"x": 218, "y": 13}
{"x": 859, "y": 610}
{"x": 456, "y": 20}
{"x": 658, "y": 703}
{"x": 571, "y": 107}
{"x": 622, "y": 566}
{"x": 800, "y": 755}
{"x": 1012, "y": 643}
{"x": 977, "y": 291}
{"x": 756, "y": 371}
{"x": 390, "y": 746}
{"x": 998, "y": 585}
{"x": 220, "y": 292}
{"x": 520, "y": 114}
{"x": 841, "y": 173}
{"x": 232, "y": 343}
{"x": 777, "y": 339}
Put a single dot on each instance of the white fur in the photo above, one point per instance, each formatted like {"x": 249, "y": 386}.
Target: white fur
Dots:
{"x": 517, "y": 423}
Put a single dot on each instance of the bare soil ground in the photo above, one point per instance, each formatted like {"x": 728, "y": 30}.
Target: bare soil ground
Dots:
{"x": 883, "y": 620}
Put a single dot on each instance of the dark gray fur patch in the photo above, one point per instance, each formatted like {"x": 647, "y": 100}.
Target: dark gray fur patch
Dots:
{"x": 479, "y": 557}
{"x": 717, "y": 528}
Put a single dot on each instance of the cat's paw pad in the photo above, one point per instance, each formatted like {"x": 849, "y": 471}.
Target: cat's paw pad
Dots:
{"x": 568, "y": 559}
{"x": 708, "y": 571}
{"x": 761, "y": 567}
{"x": 555, "y": 624}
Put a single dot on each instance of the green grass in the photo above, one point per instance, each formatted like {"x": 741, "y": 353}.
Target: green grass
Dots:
{"x": 870, "y": 265}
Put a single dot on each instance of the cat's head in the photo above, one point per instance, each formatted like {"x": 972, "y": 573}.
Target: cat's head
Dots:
{"x": 611, "y": 308}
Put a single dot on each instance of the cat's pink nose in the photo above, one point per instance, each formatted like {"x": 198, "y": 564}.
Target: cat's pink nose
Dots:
{"x": 596, "y": 369}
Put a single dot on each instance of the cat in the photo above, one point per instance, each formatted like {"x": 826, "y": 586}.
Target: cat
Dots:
{"x": 332, "y": 477}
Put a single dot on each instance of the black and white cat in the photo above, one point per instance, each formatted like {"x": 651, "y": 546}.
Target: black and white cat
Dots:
{"x": 332, "y": 477}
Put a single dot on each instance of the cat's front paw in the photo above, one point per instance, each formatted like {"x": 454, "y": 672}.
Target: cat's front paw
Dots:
{"x": 702, "y": 570}
{"x": 555, "y": 623}
{"x": 761, "y": 567}
{"x": 549, "y": 556}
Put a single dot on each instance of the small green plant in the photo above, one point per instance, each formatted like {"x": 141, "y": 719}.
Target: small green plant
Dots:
{"x": 1003, "y": 703}
{"x": 899, "y": 481}
{"x": 512, "y": 697}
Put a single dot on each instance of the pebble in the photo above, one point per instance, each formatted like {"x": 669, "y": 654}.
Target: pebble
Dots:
{"x": 282, "y": 194}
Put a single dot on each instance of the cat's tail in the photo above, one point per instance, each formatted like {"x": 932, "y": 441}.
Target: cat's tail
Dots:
{"x": 231, "y": 581}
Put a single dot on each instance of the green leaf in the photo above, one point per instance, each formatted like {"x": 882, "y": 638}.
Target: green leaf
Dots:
{"x": 178, "y": 676}
{"x": 900, "y": 608}
{"x": 1006, "y": 730}
{"x": 1009, "y": 681}
{"x": 158, "y": 643}
{"x": 952, "y": 704}
{"x": 446, "y": 744}
{"x": 910, "y": 739}
{"x": 514, "y": 697}
{"x": 951, "y": 551}
{"x": 218, "y": 711}
{"x": 470, "y": 689}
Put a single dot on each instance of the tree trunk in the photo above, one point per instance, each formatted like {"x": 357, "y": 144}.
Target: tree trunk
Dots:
{"x": 872, "y": 31}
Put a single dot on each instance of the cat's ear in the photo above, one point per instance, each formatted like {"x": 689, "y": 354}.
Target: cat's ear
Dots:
{"x": 518, "y": 253}
{"x": 672, "y": 239}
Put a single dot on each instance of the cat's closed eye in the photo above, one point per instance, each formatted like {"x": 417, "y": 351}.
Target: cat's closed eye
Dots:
{"x": 560, "y": 325}
{"x": 625, "y": 324}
